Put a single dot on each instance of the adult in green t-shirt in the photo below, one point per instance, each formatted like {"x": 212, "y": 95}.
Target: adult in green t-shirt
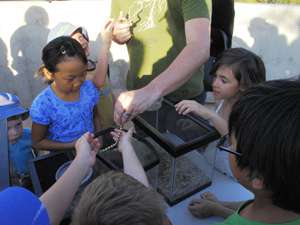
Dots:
{"x": 168, "y": 42}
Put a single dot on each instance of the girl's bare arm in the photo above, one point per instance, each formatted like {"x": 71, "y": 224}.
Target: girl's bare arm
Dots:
{"x": 40, "y": 142}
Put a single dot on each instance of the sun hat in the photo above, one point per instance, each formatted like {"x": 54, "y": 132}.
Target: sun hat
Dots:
{"x": 20, "y": 206}
{"x": 10, "y": 106}
{"x": 66, "y": 29}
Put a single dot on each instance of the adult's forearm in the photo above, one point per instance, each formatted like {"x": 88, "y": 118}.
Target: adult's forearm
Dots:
{"x": 181, "y": 69}
{"x": 58, "y": 198}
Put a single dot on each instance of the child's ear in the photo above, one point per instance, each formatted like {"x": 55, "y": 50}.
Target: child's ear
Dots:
{"x": 43, "y": 71}
{"x": 257, "y": 183}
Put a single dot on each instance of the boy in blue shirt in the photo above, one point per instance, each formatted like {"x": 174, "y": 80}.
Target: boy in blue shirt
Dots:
{"x": 19, "y": 139}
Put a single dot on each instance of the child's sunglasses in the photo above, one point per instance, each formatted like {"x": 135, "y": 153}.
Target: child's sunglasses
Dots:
{"x": 91, "y": 65}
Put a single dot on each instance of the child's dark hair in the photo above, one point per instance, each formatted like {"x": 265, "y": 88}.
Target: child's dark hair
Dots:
{"x": 265, "y": 122}
{"x": 116, "y": 198}
{"x": 58, "y": 49}
{"x": 23, "y": 116}
{"x": 247, "y": 67}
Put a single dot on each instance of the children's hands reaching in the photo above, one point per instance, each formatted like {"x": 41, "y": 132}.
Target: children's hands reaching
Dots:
{"x": 106, "y": 33}
{"x": 124, "y": 138}
{"x": 187, "y": 106}
{"x": 190, "y": 106}
{"x": 86, "y": 148}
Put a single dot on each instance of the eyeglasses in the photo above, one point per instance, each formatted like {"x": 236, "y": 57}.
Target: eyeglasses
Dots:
{"x": 223, "y": 145}
{"x": 91, "y": 65}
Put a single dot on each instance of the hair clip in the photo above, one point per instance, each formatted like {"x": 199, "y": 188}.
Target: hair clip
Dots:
{"x": 63, "y": 50}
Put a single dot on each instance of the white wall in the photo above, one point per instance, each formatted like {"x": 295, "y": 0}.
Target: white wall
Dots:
{"x": 272, "y": 31}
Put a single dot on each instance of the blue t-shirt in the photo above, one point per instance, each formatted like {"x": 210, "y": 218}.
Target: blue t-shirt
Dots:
{"x": 66, "y": 120}
{"x": 20, "y": 152}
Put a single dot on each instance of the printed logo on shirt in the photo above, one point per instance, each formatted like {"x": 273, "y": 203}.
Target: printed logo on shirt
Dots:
{"x": 144, "y": 13}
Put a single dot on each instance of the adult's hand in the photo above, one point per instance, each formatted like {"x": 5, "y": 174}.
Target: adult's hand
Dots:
{"x": 121, "y": 31}
{"x": 131, "y": 103}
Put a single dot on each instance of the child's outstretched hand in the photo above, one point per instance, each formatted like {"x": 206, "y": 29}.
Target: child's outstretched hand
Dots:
{"x": 123, "y": 137}
{"x": 106, "y": 33}
{"x": 86, "y": 148}
{"x": 190, "y": 106}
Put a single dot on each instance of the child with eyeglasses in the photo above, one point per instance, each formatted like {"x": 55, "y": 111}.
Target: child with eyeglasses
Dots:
{"x": 264, "y": 130}
{"x": 234, "y": 72}
{"x": 63, "y": 112}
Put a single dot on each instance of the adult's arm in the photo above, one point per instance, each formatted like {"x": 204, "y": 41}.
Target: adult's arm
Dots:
{"x": 193, "y": 55}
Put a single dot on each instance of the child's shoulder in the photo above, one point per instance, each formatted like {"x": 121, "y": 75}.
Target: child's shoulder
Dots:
{"x": 42, "y": 104}
{"x": 88, "y": 88}
{"x": 44, "y": 95}
{"x": 87, "y": 84}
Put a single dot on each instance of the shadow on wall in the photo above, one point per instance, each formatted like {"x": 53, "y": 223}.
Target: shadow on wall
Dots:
{"x": 272, "y": 47}
{"x": 294, "y": 49}
{"x": 6, "y": 75}
{"x": 26, "y": 47}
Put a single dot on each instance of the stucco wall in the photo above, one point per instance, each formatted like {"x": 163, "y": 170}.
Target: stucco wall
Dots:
{"x": 272, "y": 31}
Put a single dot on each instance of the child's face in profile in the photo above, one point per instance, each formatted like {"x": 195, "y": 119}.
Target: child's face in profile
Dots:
{"x": 225, "y": 85}
{"x": 84, "y": 43}
{"x": 14, "y": 130}
{"x": 240, "y": 174}
{"x": 71, "y": 74}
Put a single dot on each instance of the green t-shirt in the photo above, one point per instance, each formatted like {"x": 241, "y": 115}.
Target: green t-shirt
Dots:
{"x": 158, "y": 37}
{"x": 236, "y": 219}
